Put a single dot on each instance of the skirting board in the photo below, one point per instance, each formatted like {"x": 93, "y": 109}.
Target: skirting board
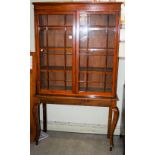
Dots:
{"x": 79, "y": 128}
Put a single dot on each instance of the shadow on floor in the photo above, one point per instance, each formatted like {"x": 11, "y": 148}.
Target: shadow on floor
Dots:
{"x": 65, "y": 143}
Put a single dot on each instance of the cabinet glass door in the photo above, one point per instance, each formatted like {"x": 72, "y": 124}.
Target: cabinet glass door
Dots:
{"x": 96, "y": 51}
{"x": 56, "y": 49}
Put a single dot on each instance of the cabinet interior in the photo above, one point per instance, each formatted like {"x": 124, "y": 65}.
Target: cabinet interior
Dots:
{"x": 96, "y": 46}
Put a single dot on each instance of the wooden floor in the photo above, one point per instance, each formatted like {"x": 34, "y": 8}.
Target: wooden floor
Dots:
{"x": 65, "y": 143}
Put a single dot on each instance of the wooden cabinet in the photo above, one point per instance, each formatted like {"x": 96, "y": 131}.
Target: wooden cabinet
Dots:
{"x": 77, "y": 55}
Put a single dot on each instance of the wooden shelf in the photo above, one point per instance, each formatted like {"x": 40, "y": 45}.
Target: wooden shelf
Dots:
{"x": 91, "y": 82}
{"x": 96, "y": 69}
{"x": 57, "y": 80}
{"x": 95, "y": 54}
{"x": 60, "y": 88}
{"x": 55, "y": 53}
{"x": 43, "y": 28}
{"x": 62, "y": 68}
{"x": 56, "y": 68}
{"x": 57, "y": 26}
{"x": 95, "y": 49}
{"x": 80, "y": 88}
{"x": 55, "y": 49}
{"x": 97, "y": 28}
{"x": 95, "y": 89}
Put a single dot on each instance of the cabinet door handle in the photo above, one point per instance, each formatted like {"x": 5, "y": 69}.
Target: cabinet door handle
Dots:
{"x": 41, "y": 50}
{"x": 70, "y": 36}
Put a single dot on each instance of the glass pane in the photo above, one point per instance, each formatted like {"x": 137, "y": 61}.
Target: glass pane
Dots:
{"x": 42, "y": 38}
{"x": 68, "y": 85}
{"x": 56, "y": 76}
{"x": 96, "y": 82}
{"x": 60, "y": 77}
{"x": 97, "y": 52}
{"x": 56, "y": 42}
{"x": 68, "y": 76}
{"x": 83, "y": 19}
{"x": 56, "y": 60}
{"x": 60, "y": 51}
{"x": 60, "y": 20}
{"x": 93, "y": 87}
{"x": 83, "y": 37}
{"x": 109, "y": 61}
{"x": 92, "y": 61}
{"x": 69, "y": 60}
{"x": 98, "y": 77}
{"x": 42, "y": 20}
{"x": 96, "y": 43}
{"x": 56, "y": 38}
{"x": 56, "y": 85}
{"x": 43, "y": 80}
{"x": 111, "y": 38}
{"x": 56, "y": 80}
{"x": 55, "y": 20}
{"x": 97, "y": 39}
{"x": 108, "y": 83}
{"x": 68, "y": 80}
{"x": 69, "y": 38}
{"x": 43, "y": 59}
{"x": 98, "y": 19}
{"x": 112, "y": 20}
{"x": 102, "y": 20}
{"x": 69, "y": 20}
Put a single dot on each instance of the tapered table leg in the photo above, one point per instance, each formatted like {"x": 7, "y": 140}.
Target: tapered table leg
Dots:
{"x": 109, "y": 122}
{"x": 36, "y": 120}
{"x": 115, "y": 112}
{"x": 44, "y": 117}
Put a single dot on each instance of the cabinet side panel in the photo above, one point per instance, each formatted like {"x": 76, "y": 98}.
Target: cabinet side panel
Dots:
{"x": 116, "y": 54}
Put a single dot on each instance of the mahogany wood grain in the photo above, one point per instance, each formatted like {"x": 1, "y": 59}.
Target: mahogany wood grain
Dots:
{"x": 91, "y": 101}
{"x": 71, "y": 71}
{"x": 32, "y": 93}
{"x": 69, "y": 6}
{"x": 115, "y": 112}
{"x": 44, "y": 117}
{"x": 109, "y": 121}
{"x": 36, "y": 117}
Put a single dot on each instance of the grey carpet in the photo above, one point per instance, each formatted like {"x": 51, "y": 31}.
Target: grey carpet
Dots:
{"x": 65, "y": 143}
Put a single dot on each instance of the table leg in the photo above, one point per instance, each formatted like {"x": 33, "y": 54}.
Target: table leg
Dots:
{"x": 44, "y": 117}
{"x": 115, "y": 112}
{"x": 109, "y": 122}
{"x": 36, "y": 120}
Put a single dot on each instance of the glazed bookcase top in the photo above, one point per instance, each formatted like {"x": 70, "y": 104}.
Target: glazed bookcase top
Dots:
{"x": 77, "y": 48}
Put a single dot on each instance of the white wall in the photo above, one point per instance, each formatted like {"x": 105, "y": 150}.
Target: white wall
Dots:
{"x": 82, "y": 118}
